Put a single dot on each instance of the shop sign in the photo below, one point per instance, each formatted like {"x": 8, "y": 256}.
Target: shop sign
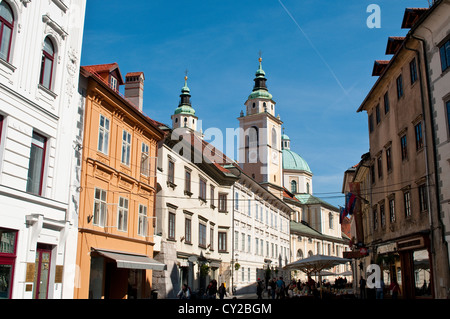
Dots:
{"x": 410, "y": 244}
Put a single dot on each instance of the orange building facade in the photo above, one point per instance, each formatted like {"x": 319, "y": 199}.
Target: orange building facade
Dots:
{"x": 118, "y": 186}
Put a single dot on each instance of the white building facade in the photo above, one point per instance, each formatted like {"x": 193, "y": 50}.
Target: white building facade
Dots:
{"x": 193, "y": 209}
{"x": 261, "y": 246}
{"x": 40, "y": 146}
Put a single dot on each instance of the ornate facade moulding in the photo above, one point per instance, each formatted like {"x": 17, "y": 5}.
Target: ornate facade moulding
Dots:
{"x": 54, "y": 26}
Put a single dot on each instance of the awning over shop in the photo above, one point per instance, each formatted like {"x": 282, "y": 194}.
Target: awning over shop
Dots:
{"x": 131, "y": 261}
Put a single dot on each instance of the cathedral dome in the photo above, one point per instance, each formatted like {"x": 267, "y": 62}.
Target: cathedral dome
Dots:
{"x": 293, "y": 161}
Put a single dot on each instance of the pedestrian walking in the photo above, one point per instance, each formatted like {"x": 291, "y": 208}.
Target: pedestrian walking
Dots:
{"x": 259, "y": 288}
{"x": 222, "y": 291}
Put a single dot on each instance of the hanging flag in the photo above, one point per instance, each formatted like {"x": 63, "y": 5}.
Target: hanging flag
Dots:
{"x": 342, "y": 214}
{"x": 350, "y": 202}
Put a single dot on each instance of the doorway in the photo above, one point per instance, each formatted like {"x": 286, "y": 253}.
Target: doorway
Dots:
{"x": 42, "y": 271}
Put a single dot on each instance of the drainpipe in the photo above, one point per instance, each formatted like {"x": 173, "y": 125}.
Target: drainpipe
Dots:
{"x": 430, "y": 219}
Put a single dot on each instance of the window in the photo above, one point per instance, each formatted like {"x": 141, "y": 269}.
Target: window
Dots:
{"x": 392, "y": 210}
{"x": 113, "y": 82}
{"x": 242, "y": 242}
{"x": 187, "y": 231}
{"x": 222, "y": 241}
{"x": 413, "y": 70}
{"x": 407, "y": 202}
{"x": 388, "y": 159}
{"x": 8, "y": 247}
{"x": 48, "y": 56}
{"x": 372, "y": 173}
{"x": 126, "y": 147}
{"x": 249, "y": 243}
{"x": 330, "y": 221}
{"x": 122, "y": 214}
{"x": 171, "y": 233}
{"x": 423, "y": 198}
{"x": 171, "y": 172}
{"x": 400, "y": 86}
{"x": 293, "y": 187}
{"x": 249, "y": 202}
{"x": 202, "y": 191}
{"x": 211, "y": 197}
{"x": 187, "y": 182}
{"x": 236, "y": 240}
{"x": 222, "y": 202}
{"x": 274, "y": 139}
{"x": 36, "y": 164}
{"x": 256, "y": 246}
{"x": 371, "y": 123}
{"x": 103, "y": 135}
{"x": 448, "y": 115}
{"x": 6, "y": 30}
{"x": 202, "y": 235}
{"x": 1, "y": 128}
{"x": 445, "y": 55}
{"x": 382, "y": 215}
{"x": 142, "y": 221}
{"x": 307, "y": 188}
{"x": 378, "y": 114}
{"x": 386, "y": 103}
{"x": 375, "y": 218}
{"x": 100, "y": 207}
{"x": 419, "y": 138}
{"x": 211, "y": 238}
{"x": 380, "y": 167}
{"x": 145, "y": 160}
{"x": 236, "y": 200}
{"x": 404, "y": 147}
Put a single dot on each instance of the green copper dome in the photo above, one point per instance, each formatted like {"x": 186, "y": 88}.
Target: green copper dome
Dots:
{"x": 285, "y": 137}
{"x": 260, "y": 94}
{"x": 185, "y": 109}
{"x": 293, "y": 161}
{"x": 260, "y": 90}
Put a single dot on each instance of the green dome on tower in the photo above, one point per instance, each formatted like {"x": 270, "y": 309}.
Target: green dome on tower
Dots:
{"x": 185, "y": 103}
{"x": 293, "y": 161}
{"x": 260, "y": 90}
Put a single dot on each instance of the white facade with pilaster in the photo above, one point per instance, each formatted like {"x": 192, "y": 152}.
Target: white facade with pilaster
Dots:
{"x": 40, "y": 147}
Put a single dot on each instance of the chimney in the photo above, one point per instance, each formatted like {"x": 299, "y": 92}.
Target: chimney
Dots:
{"x": 134, "y": 89}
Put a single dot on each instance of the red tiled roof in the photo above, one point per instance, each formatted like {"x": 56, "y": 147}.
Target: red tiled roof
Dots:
{"x": 411, "y": 16}
{"x": 102, "y": 68}
{"x": 394, "y": 44}
{"x": 379, "y": 67}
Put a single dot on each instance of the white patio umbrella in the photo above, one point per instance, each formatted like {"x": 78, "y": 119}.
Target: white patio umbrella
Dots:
{"x": 316, "y": 264}
{"x": 346, "y": 273}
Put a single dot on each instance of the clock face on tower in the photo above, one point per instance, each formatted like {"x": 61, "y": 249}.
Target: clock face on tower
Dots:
{"x": 275, "y": 157}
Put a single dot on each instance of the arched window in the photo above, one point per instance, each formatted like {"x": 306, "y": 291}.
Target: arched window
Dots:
{"x": 6, "y": 30}
{"x": 330, "y": 220}
{"x": 48, "y": 57}
{"x": 253, "y": 144}
{"x": 293, "y": 187}
{"x": 299, "y": 254}
{"x": 307, "y": 188}
{"x": 310, "y": 253}
{"x": 274, "y": 139}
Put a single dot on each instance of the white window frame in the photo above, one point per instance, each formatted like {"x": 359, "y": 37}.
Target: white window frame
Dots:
{"x": 126, "y": 148}
{"x": 122, "y": 214}
{"x": 100, "y": 214}
{"x": 104, "y": 133}
{"x": 142, "y": 221}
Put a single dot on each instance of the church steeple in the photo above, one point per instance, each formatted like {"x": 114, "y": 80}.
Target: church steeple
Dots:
{"x": 184, "y": 115}
{"x": 259, "y": 143}
{"x": 260, "y": 79}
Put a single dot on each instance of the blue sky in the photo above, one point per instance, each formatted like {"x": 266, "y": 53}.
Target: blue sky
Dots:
{"x": 317, "y": 55}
